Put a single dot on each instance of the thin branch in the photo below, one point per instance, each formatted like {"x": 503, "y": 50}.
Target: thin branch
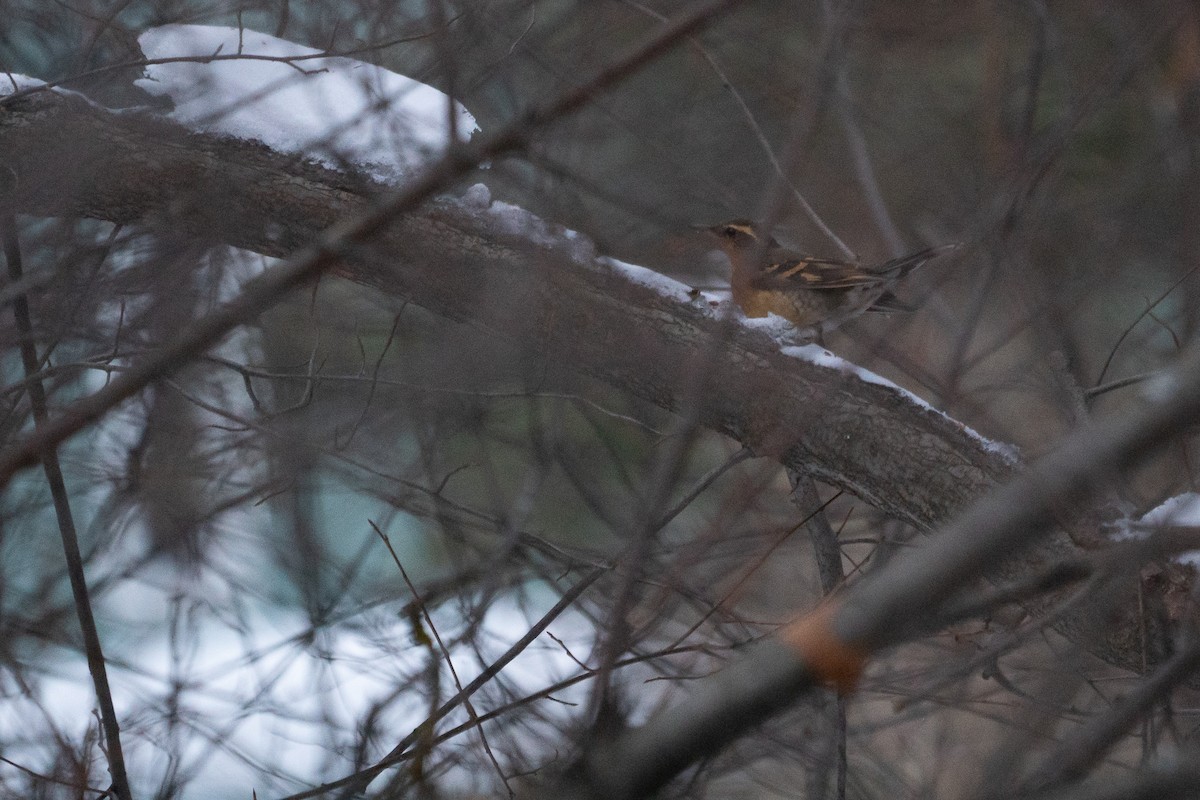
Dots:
{"x": 759, "y": 134}
{"x": 51, "y": 779}
{"x": 828, "y": 552}
{"x": 1111, "y": 386}
{"x": 1176, "y": 778}
{"x": 749, "y": 572}
{"x": 359, "y": 780}
{"x": 1150, "y": 306}
{"x": 423, "y": 609}
{"x": 66, "y": 522}
{"x": 864, "y": 169}
{"x": 1080, "y": 751}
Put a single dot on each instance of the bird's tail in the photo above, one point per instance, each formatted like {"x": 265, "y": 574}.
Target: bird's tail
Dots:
{"x": 899, "y": 267}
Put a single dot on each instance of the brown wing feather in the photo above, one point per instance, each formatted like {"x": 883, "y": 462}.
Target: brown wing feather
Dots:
{"x": 815, "y": 274}
{"x": 786, "y": 270}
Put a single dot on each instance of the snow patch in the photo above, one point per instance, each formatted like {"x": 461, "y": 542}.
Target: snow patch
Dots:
{"x": 644, "y": 276}
{"x": 286, "y": 700}
{"x": 1181, "y": 510}
{"x": 507, "y": 219}
{"x": 295, "y": 99}
{"x": 478, "y": 196}
{"x": 12, "y": 82}
{"x": 815, "y": 354}
{"x": 516, "y": 221}
{"x": 773, "y": 325}
{"x": 513, "y": 220}
{"x": 1160, "y": 387}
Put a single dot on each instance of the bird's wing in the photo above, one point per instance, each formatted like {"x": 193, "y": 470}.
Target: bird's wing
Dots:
{"x": 786, "y": 270}
{"x": 814, "y": 274}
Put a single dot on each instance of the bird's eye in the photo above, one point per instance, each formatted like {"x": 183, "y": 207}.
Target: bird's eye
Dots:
{"x": 730, "y": 232}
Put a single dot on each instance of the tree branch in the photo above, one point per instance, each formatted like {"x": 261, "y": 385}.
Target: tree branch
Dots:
{"x": 547, "y": 291}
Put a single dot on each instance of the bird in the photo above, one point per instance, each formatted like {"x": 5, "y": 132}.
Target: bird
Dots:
{"x": 809, "y": 292}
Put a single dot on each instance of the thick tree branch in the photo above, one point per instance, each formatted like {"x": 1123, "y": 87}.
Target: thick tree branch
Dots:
{"x": 548, "y": 292}
{"x": 552, "y": 294}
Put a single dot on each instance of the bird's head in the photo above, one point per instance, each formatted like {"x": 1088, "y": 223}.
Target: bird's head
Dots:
{"x": 739, "y": 234}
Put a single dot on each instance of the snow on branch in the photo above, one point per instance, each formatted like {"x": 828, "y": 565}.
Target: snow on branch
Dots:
{"x": 297, "y": 99}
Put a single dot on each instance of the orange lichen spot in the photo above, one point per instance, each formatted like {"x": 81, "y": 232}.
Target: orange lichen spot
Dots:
{"x": 830, "y": 659}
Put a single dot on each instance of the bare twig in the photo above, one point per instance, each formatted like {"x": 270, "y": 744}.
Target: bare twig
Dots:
{"x": 445, "y": 651}
{"x": 1177, "y": 778}
{"x": 768, "y": 149}
{"x": 749, "y": 572}
{"x": 1082, "y": 749}
{"x": 359, "y": 780}
{"x": 861, "y": 157}
{"x": 828, "y": 552}
{"x": 1150, "y": 306}
{"x": 66, "y": 522}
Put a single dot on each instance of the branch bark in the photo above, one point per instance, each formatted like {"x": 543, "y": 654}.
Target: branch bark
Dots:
{"x": 549, "y": 292}
{"x": 545, "y": 290}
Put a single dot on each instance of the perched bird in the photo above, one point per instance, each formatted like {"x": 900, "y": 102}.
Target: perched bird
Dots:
{"x": 809, "y": 292}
